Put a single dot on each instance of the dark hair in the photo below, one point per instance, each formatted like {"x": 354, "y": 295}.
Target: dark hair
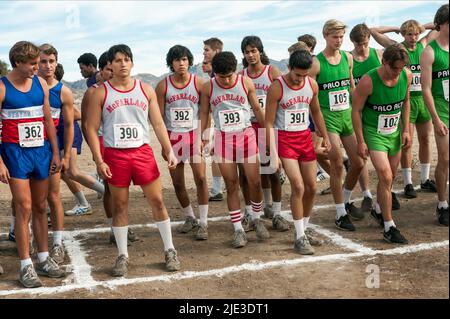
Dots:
{"x": 119, "y": 48}
{"x": 359, "y": 33}
{"x": 177, "y": 52}
{"x": 300, "y": 59}
{"x": 254, "y": 42}
{"x": 23, "y": 51}
{"x": 214, "y": 43}
{"x": 49, "y": 49}
{"x": 309, "y": 40}
{"x": 88, "y": 59}
{"x": 395, "y": 52}
{"x": 59, "y": 72}
{"x": 103, "y": 60}
{"x": 224, "y": 63}
{"x": 441, "y": 17}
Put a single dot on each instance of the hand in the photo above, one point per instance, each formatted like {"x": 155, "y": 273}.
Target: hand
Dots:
{"x": 204, "y": 147}
{"x": 406, "y": 140}
{"x": 326, "y": 144}
{"x": 55, "y": 164}
{"x": 275, "y": 163}
{"x": 318, "y": 134}
{"x": 103, "y": 171}
{"x": 363, "y": 151}
{"x": 4, "y": 174}
{"x": 65, "y": 164}
{"x": 172, "y": 161}
{"x": 440, "y": 128}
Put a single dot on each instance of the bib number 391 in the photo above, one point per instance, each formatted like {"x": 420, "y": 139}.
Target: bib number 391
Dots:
{"x": 339, "y": 100}
{"x": 31, "y": 134}
{"x": 388, "y": 123}
{"x": 296, "y": 120}
{"x": 128, "y": 135}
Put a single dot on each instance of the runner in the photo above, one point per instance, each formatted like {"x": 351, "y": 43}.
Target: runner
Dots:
{"x": 289, "y": 100}
{"x": 125, "y": 105}
{"x": 434, "y": 80}
{"x": 382, "y": 97}
{"x": 231, "y": 97}
{"x": 178, "y": 99}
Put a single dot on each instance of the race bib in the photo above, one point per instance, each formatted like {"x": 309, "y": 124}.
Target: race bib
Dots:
{"x": 339, "y": 100}
{"x": 231, "y": 120}
{"x": 445, "y": 88}
{"x": 261, "y": 102}
{"x": 388, "y": 123}
{"x": 415, "y": 83}
{"x": 31, "y": 134}
{"x": 128, "y": 135}
{"x": 296, "y": 120}
{"x": 182, "y": 117}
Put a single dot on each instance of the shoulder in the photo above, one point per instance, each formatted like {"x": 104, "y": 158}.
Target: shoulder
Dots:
{"x": 42, "y": 82}
{"x": 274, "y": 72}
{"x": 66, "y": 93}
{"x": 161, "y": 86}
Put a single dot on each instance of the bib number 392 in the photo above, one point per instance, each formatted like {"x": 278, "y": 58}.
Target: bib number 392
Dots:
{"x": 231, "y": 120}
{"x": 31, "y": 134}
{"x": 128, "y": 135}
{"x": 182, "y": 117}
{"x": 388, "y": 123}
{"x": 339, "y": 100}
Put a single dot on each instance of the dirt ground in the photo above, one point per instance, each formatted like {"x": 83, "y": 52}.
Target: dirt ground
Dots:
{"x": 417, "y": 274}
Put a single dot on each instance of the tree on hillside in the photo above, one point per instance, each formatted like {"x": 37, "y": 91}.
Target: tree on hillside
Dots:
{"x": 3, "y": 68}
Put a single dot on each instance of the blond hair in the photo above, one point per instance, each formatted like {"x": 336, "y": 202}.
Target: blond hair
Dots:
{"x": 300, "y": 45}
{"x": 412, "y": 26}
{"x": 332, "y": 26}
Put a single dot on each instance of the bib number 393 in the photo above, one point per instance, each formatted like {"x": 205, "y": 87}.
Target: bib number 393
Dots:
{"x": 388, "y": 123}
{"x": 296, "y": 120}
{"x": 31, "y": 134}
{"x": 231, "y": 120}
{"x": 128, "y": 135}
{"x": 339, "y": 100}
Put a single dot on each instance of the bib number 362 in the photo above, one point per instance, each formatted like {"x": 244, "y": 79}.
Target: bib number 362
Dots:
{"x": 128, "y": 135}
{"x": 388, "y": 123}
{"x": 31, "y": 134}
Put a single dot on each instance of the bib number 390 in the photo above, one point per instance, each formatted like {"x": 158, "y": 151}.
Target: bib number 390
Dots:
{"x": 31, "y": 134}
{"x": 339, "y": 100}
{"x": 388, "y": 123}
{"x": 128, "y": 135}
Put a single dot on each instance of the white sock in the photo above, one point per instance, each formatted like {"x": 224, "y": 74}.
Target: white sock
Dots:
{"x": 424, "y": 172}
{"x": 377, "y": 208}
{"x": 305, "y": 222}
{"x": 236, "y": 220}
{"x": 388, "y": 225}
{"x": 267, "y": 193}
{"x": 443, "y": 204}
{"x": 340, "y": 210}
{"x": 25, "y": 262}
{"x": 406, "y": 172}
{"x": 248, "y": 209}
{"x": 13, "y": 223}
{"x": 299, "y": 228}
{"x": 121, "y": 233}
{"x": 217, "y": 184}
{"x": 166, "y": 233}
{"x": 256, "y": 210}
{"x": 276, "y": 208}
{"x": 367, "y": 193}
{"x": 82, "y": 201}
{"x": 203, "y": 209}
{"x": 57, "y": 237}
{"x": 347, "y": 195}
{"x": 188, "y": 211}
{"x": 98, "y": 187}
{"x": 42, "y": 256}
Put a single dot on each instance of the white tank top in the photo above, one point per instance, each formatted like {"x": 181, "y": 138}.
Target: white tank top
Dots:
{"x": 262, "y": 83}
{"x": 293, "y": 107}
{"x": 125, "y": 117}
{"x": 181, "y": 109}
{"x": 230, "y": 107}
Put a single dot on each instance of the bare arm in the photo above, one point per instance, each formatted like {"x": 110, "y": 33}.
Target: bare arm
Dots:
{"x": 68, "y": 115}
{"x": 253, "y": 101}
{"x": 274, "y": 73}
{"x": 359, "y": 98}
{"x": 430, "y": 36}
{"x": 315, "y": 69}
{"x": 406, "y": 137}
{"x": 317, "y": 116}
{"x": 380, "y": 36}
{"x": 84, "y": 111}
{"x": 205, "y": 110}
{"x": 161, "y": 95}
{"x": 350, "y": 65}
{"x": 4, "y": 172}
{"x": 92, "y": 123}
{"x": 272, "y": 99}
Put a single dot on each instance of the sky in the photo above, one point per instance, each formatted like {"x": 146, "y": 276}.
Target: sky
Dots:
{"x": 150, "y": 28}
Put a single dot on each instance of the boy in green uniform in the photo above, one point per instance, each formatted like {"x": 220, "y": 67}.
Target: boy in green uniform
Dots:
{"x": 434, "y": 79}
{"x": 382, "y": 97}
{"x": 332, "y": 69}
{"x": 419, "y": 117}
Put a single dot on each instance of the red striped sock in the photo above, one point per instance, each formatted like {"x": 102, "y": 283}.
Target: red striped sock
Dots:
{"x": 256, "y": 209}
{"x": 236, "y": 219}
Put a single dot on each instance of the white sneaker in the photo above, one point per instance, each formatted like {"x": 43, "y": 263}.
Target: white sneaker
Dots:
{"x": 79, "y": 210}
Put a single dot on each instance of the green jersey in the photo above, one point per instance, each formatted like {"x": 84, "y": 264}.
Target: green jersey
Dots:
{"x": 361, "y": 68}
{"x": 383, "y": 108}
{"x": 334, "y": 84}
{"x": 439, "y": 84}
{"x": 414, "y": 65}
